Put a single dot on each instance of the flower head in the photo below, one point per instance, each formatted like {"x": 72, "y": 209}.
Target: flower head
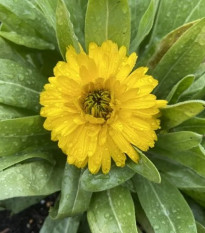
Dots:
{"x": 97, "y": 108}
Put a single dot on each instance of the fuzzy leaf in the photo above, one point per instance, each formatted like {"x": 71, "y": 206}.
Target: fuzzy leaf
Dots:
{"x": 100, "y": 181}
{"x": 64, "y": 29}
{"x": 145, "y": 168}
{"x": 107, "y": 20}
{"x": 174, "y": 115}
{"x": 185, "y": 56}
{"x": 66, "y": 225}
{"x": 165, "y": 207}
{"x": 179, "y": 88}
{"x": 112, "y": 211}
{"x": 73, "y": 199}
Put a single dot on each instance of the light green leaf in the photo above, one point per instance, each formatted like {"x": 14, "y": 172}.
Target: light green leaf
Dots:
{"x": 145, "y": 168}
{"x": 165, "y": 207}
{"x": 179, "y": 88}
{"x": 107, "y": 20}
{"x": 174, "y": 115}
{"x": 7, "y": 112}
{"x": 28, "y": 41}
{"x": 182, "y": 177}
{"x": 200, "y": 228}
{"x": 100, "y": 181}
{"x": 112, "y": 211}
{"x": 20, "y": 133}
{"x": 19, "y": 85}
{"x": 17, "y": 204}
{"x": 177, "y": 141}
{"x": 64, "y": 29}
{"x": 195, "y": 124}
{"x": 145, "y": 25}
{"x": 66, "y": 225}
{"x": 197, "y": 195}
{"x": 36, "y": 178}
{"x": 185, "y": 56}
{"x": 73, "y": 199}
{"x": 77, "y": 11}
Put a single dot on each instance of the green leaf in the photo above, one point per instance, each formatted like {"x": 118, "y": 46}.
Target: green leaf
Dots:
{"x": 16, "y": 205}
{"x": 36, "y": 178}
{"x": 200, "y": 228}
{"x": 7, "y": 112}
{"x": 145, "y": 168}
{"x": 66, "y": 225}
{"x": 177, "y": 141}
{"x": 100, "y": 181}
{"x": 77, "y": 11}
{"x": 185, "y": 56}
{"x": 197, "y": 195}
{"x": 20, "y": 133}
{"x": 107, "y": 20}
{"x": 182, "y": 177}
{"x": 20, "y": 86}
{"x": 73, "y": 199}
{"x": 195, "y": 89}
{"x": 137, "y": 9}
{"x": 64, "y": 29}
{"x": 112, "y": 211}
{"x": 145, "y": 25}
{"x": 167, "y": 42}
{"x": 195, "y": 124}
{"x": 179, "y": 88}
{"x": 174, "y": 115}
{"x": 165, "y": 207}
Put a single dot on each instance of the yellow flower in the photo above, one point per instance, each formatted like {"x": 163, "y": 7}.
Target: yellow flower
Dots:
{"x": 97, "y": 109}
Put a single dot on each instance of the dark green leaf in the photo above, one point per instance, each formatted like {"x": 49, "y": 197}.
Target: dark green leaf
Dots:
{"x": 112, "y": 211}
{"x": 7, "y": 112}
{"x": 107, "y": 20}
{"x": 145, "y": 168}
{"x": 64, "y": 29}
{"x": 73, "y": 199}
{"x": 165, "y": 207}
{"x": 100, "y": 181}
{"x": 200, "y": 228}
{"x": 174, "y": 115}
{"x": 66, "y": 225}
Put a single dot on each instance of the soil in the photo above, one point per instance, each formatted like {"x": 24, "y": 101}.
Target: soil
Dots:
{"x": 28, "y": 221}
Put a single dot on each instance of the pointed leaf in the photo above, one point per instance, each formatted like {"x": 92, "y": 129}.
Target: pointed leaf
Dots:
{"x": 165, "y": 207}
{"x": 66, "y": 225}
{"x": 145, "y": 168}
{"x": 100, "y": 181}
{"x": 112, "y": 211}
{"x": 174, "y": 115}
{"x": 107, "y": 20}
{"x": 73, "y": 199}
{"x": 64, "y": 29}
{"x": 185, "y": 56}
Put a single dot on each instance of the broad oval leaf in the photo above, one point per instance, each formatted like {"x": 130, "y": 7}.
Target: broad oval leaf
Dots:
{"x": 145, "y": 168}
{"x": 73, "y": 199}
{"x": 165, "y": 207}
{"x": 107, "y": 20}
{"x": 112, "y": 211}
{"x": 100, "y": 181}
{"x": 64, "y": 29}
{"x": 185, "y": 56}
{"x": 174, "y": 115}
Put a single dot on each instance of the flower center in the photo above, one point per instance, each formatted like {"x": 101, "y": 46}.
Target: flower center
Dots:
{"x": 97, "y": 104}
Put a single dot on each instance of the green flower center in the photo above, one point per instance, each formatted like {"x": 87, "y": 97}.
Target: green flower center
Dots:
{"x": 97, "y": 104}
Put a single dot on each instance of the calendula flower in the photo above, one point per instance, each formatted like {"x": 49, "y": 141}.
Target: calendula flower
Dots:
{"x": 97, "y": 108}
